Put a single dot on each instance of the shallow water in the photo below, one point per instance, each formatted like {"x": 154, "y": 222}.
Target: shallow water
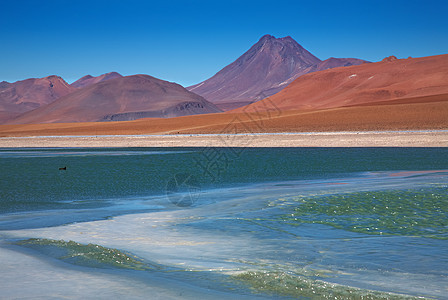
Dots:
{"x": 359, "y": 223}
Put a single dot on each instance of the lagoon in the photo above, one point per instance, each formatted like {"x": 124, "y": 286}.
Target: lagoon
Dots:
{"x": 311, "y": 223}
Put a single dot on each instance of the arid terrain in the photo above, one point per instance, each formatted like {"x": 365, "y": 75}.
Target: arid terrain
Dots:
{"x": 392, "y": 95}
{"x": 414, "y": 114}
{"x": 265, "y": 69}
{"x": 122, "y": 98}
{"x": 390, "y": 79}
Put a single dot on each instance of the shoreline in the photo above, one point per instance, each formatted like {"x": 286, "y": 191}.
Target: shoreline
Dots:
{"x": 406, "y": 138}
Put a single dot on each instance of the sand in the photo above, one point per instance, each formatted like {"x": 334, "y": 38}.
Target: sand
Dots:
{"x": 418, "y": 122}
{"x": 423, "y": 115}
{"x": 317, "y": 139}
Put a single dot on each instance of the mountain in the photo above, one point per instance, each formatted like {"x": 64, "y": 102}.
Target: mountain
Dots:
{"x": 121, "y": 99}
{"x": 333, "y": 62}
{"x": 25, "y": 95}
{"x": 89, "y": 79}
{"x": 265, "y": 69}
{"x": 388, "y": 80}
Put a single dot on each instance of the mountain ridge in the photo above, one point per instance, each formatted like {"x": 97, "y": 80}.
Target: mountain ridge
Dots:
{"x": 124, "y": 98}
{"x": 88, "y": 80}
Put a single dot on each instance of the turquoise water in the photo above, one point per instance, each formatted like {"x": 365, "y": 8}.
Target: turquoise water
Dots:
{"x": 311, "y": 223}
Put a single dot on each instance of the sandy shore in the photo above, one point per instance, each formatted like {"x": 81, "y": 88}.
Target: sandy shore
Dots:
{"x": 436, "y": 138}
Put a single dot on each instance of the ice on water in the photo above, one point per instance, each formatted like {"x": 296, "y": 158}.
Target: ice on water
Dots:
{"x": 241, "y": 234}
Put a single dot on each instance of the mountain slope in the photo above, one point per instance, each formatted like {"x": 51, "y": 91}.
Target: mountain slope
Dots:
{"x": 126, "y": 98}
{"x": 25, "y": 95}
{"x": 265, "y": 69}
{"x": 89, "y": 79}
{"x": 388, "y": 80}
{"x": 333, "y": 62}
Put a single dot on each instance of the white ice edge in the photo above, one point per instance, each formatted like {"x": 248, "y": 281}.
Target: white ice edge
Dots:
{"x": 232, "y": 134}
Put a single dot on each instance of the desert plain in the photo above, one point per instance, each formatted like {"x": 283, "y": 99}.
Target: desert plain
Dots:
{"x": 413, "y": 122}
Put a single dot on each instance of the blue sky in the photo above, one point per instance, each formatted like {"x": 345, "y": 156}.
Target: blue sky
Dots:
{"x": 189, "y": 41}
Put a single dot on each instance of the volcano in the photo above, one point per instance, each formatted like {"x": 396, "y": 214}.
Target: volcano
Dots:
{"x": 265, "y": 69}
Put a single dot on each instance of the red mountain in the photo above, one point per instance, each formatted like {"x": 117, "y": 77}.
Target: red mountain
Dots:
{"x": 389, "y": 80}
{"x": 25, "y": 95}
{"x": 89, "y": 79}
{"x": 265, "y": 69}
{"x": 121, "y": 99}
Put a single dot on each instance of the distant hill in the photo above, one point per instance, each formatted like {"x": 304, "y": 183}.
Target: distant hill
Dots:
{"x": 388, "y": 80}
{"x": 265, "y": 69}
{"x": 89, "y": 79}
{"x": 120, "y": 99}
{"x": 25, "y": 95}
{"x": 333, "y": 62}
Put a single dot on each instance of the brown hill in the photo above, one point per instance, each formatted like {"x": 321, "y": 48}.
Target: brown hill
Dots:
{"x": 387, "y": 80}
{"x": 126, "y": 98}
{"x": 89, "y": 79}
{"x": 265, "y": 69}
{"x": 25, "y": 95}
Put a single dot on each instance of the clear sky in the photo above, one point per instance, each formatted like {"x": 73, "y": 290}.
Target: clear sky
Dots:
{"x": 189, "y": 41}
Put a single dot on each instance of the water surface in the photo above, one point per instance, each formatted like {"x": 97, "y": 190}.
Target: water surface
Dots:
{"x": 345, "y": 223}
